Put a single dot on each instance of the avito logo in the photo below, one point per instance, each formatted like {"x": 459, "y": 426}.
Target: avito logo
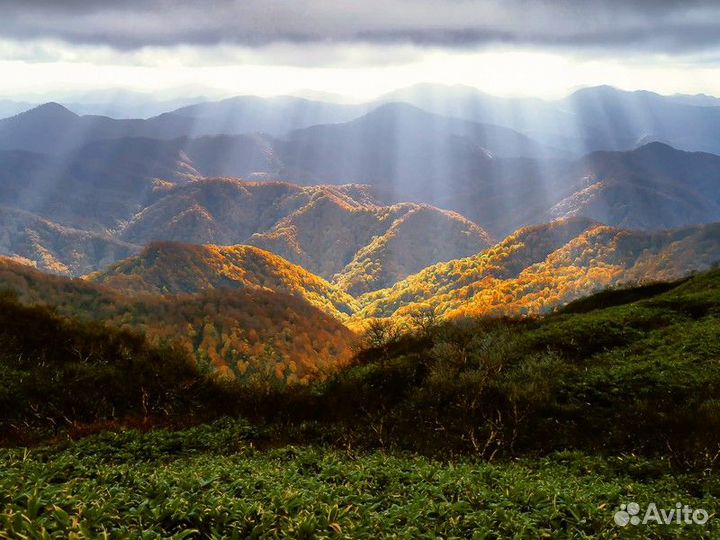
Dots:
{"x": 682, "y": 514}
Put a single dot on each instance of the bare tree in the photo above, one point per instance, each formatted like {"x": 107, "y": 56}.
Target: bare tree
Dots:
{"x": 379, "y": 334}
{"x": 425, "y": 319}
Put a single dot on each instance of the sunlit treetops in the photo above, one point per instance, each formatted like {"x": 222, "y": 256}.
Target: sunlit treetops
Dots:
{"x": 539, "y": 268}
{"x": 172, "y": 268}
{"x": 250, "y": 333}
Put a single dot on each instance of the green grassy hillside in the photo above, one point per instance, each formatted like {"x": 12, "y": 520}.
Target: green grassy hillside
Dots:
{"x": 634, "y": 370}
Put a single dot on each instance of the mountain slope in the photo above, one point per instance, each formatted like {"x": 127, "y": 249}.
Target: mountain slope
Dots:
{"x": 171, "y": 268}
{"x": 328, "y": 230}
{"x": 55, "y": 248}
{"x": 250, "y": 334}
{"x": 541, "y": 267}
{"x": 652, "y": 187}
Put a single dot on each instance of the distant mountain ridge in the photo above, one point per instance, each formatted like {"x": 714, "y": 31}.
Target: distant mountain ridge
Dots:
{"x": 589, "y": 119}
{"x": 652, "y": 187}
{"x": 139, "y": 190}
{"x": 497, "y": 176}
{"x": 324, "y": 229}
{"x": 53, "y": 129}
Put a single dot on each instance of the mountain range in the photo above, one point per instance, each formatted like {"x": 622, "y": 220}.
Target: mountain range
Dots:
{"x": 95, "y": 173}
{"x": 590, "y": 119}
{"x": 260, "y": 231}
{"x": 243, "y": 311}
{"x": 337, "y": 232}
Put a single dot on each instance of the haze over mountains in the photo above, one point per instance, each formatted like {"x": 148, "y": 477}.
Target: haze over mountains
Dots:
{"x": 337, "y": 232}
{"x": 356, "y": 207}
{"x": 95, "y": 173}
{"x": 261, "y": 230}
{"x": 596, "y": 118}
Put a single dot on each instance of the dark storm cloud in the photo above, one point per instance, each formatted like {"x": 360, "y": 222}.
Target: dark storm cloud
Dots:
{"x": 661, "y": 25}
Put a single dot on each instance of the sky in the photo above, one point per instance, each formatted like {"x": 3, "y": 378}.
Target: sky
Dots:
{"x": 359, "y": 49}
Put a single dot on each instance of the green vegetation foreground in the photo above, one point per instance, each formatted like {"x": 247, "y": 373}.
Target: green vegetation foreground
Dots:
{"x": 211, "y": 482}
{"x": 471, "y": 429}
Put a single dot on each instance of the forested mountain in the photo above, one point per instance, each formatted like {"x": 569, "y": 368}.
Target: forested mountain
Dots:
{"x": 344, "y": 238}
{"x": 250, "y": 333}
{"x": 247, "y": 313}
{"x": 56, "y": 248}
{"x": 328, "y": 230}
{"x": 541, "y": 267}
{"x": 172, "y": 268}
{"x": 138, "y": 190}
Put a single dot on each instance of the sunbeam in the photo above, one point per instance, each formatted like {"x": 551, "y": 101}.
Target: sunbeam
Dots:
{"x": 334, "y": 269}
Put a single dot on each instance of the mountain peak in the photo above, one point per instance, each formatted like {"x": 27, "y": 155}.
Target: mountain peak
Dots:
{"x": 397, "y": 107}
{"x": 600, "y": 89}
{"x": 51, "y": 110}
{"x": 655, "y": 147}
{"x": 52, "y": 107}
{"x": 175, "y": 267}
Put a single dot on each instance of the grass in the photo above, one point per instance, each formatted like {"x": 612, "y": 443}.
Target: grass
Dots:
{"x": 212, "y": 482}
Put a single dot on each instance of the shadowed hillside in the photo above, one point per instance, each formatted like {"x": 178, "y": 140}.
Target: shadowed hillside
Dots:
{"x": 56, "y": 248}
{"x": 251, "y": 333}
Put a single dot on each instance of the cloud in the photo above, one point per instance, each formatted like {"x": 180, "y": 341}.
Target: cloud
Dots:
{"x": 649, "y": 25}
